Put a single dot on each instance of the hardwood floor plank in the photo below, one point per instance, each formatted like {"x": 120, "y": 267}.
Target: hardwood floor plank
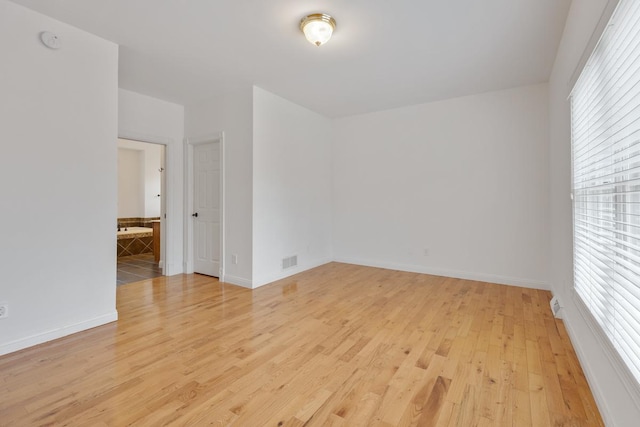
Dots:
{"x": 339, "y": 345}
{"x": 538, "y": 399}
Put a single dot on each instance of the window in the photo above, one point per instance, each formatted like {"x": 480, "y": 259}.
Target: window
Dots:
{"x": 605, "y": 121}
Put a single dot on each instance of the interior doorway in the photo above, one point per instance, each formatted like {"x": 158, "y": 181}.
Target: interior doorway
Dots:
{"x": 141, "y": 210}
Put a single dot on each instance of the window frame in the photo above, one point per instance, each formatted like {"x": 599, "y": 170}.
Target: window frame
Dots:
{"x": 630, "y": 381}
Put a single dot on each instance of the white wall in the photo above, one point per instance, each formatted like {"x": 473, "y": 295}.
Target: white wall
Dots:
{"x": 231, "y": 113}
{"x": 58, "y": 121}
{"x": 139, "y": 179}
{"x": 618, "y": 403}
{"x": 291, "y": 187}
{"x": 152, "y": 180}
{"x": 465, "y": 179}
{"x": 148, "y": 119}
{"x": 130, "y": 183}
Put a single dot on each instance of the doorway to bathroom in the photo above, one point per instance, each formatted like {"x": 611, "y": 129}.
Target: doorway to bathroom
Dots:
{"x": 141, "y": 207}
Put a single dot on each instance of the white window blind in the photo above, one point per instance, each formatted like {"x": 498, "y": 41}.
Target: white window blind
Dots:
{"x": 605, "y": 121}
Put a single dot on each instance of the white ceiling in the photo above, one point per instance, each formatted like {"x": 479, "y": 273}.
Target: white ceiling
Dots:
{"x": 383, "y": 54}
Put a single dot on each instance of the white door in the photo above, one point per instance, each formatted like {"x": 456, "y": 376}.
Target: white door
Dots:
{"x": 206, "y": 209}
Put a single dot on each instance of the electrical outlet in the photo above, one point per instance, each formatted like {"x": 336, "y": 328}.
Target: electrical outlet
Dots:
{"x": 234, "y": 259}
{"x": 4, "y": 310}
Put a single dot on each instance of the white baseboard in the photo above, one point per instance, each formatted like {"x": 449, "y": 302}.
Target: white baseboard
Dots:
{"x": 579, "y": 313}
{"x": 289, "y": 272}
{"x": 53, "y": 334}
{"x": 481, "y": 277}
{"x": 596, "y": 389}
{"x": 238, "y": 281}
{"x": 172, "y": 270}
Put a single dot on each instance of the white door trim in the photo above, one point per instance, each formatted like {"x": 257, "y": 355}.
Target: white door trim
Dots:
{"x": 189, "y": 143}
{"x": 167, "y": 222}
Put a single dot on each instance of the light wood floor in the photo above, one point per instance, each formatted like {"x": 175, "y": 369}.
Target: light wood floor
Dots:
{"x": 338, "y": 345}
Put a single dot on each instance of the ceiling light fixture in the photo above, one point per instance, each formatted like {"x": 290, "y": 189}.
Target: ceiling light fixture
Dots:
{"x": 317, "y": 28}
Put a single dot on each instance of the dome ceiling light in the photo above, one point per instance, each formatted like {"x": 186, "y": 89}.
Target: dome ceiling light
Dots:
{"x": 317, "y": 28}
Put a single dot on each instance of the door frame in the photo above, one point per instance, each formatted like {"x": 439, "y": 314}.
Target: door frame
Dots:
{"x": 166, "y": 199}
{"x": 189, "y": 143}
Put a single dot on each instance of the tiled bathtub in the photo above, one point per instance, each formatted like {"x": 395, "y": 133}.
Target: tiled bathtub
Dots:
{"x": 134, "y": 241}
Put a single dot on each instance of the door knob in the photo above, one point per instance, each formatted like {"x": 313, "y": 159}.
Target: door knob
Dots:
{"x": 195, "y": 215}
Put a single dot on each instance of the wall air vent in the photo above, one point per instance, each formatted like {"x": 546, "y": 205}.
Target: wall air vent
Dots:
{"x": 289, "y": 262}
{"x": 556, "y": 307}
